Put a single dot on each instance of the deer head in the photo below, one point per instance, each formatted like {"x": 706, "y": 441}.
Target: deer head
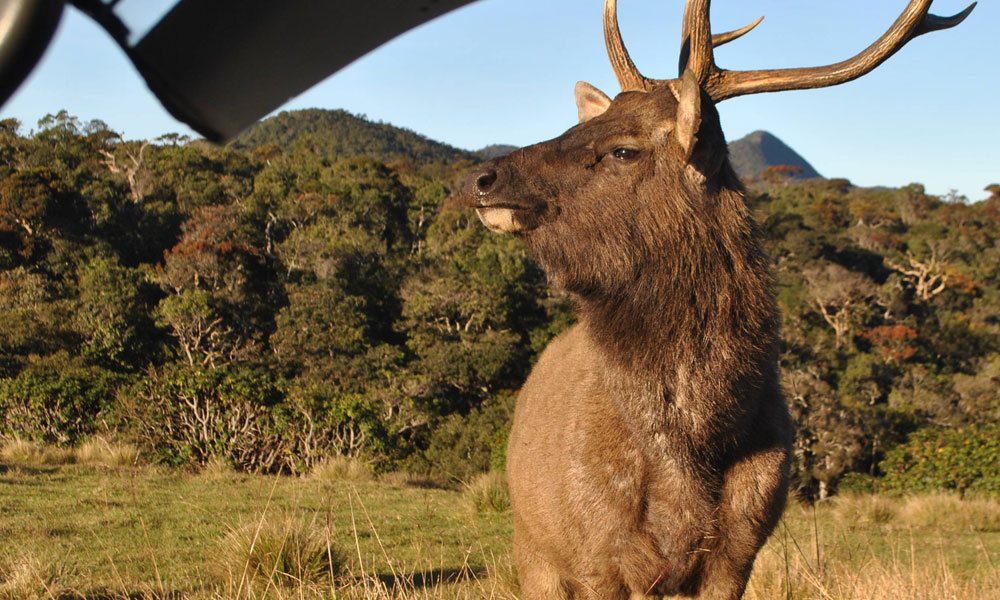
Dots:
{"x": 649, "y": 167}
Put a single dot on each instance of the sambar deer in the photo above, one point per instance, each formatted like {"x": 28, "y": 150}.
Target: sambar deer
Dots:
{"x": 649, "y": 453}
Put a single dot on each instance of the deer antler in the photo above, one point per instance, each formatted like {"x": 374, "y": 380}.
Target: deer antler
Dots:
{"x": 698, "y": 44}
{"x": 628, "y": 75}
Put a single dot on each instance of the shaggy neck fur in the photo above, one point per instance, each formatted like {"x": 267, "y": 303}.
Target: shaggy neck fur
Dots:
{"x": 695, "y": 328}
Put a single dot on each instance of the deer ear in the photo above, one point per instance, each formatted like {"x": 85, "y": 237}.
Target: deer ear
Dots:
{"x": 590, "y": 101}
{"x": 688, "y": 94}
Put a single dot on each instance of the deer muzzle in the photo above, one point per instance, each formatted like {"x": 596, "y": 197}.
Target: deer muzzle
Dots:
{"x": 498, "y": 204}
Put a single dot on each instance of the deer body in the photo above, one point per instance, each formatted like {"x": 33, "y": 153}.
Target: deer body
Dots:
{"x": 607, "y": 506}
{"x": 656, "y": 423}
{"x": 649, "y": 453}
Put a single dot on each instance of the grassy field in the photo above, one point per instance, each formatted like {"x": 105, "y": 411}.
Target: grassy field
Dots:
{"x": 86, "y": 525}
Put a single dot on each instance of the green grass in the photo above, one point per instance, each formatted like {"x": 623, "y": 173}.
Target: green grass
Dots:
{"x": 128, "y": 529}
{"x": 93, "y": 530}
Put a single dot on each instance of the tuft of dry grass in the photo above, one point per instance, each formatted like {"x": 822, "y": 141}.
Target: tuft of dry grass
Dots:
{"x": 341, "y": 468}
{"x": 217, "y": 467}
{"x": 27, "y": 577}
{"x": 96, "y": 451}
{"x": 22, "y": 452}
{"x": 277, "y": 553}
{"x": 863, "y": 510}
{"x": 488, "y": 492}
{"x": 101, "y": 451}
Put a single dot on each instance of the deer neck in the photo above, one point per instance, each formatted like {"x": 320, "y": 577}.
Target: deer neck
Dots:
{"x": 701, "y": 304}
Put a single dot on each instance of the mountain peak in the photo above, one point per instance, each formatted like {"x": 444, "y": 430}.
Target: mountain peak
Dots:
{"x": 752, "y": 154}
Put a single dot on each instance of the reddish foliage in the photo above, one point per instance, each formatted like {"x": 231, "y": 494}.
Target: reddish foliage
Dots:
{"x": 780, "y": 173}
{"x": 886, "y": 239}
{"x": 893, "y": 341}
{"x": 962, "y": 283}
{"x": 831, "y": 212}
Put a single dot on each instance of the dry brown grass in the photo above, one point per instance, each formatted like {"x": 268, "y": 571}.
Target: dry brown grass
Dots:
{"x": 488, "y": 493}
{"x": 27, "y": 577}
{"x": 863, "y": 510}
{"x": 96, "y": 451}
{"x": 878, "y": 548}
{"x": 948, "y": 511}
{"x": 217, "y": 467}
{"x": 341, "y": 468}
{"x": 22, "y": 452}
{"x": 102, "y": 451}
{"x": 782, "y": 572}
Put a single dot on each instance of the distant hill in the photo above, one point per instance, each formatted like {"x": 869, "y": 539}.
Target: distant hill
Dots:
{"x": 340, "y": 133}
{"x": 495, "y": 151}
{"x": 756, "y": 152}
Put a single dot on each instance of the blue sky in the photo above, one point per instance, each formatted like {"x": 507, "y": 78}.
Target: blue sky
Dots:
{"x": 502, "y": 71}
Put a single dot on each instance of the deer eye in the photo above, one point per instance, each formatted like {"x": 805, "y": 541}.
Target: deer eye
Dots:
{"x": 625, "y": 153}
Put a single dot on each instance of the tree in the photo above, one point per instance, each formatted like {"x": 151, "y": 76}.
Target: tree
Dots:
{"x": 840, "y": 296}
{"x": 113, "y": 315}
{"x": 34, "y": 320}
{"x": 469, "y": 312}
{"x": 220, "y": 289}
{"x": 127, "y": 159}
{"x": 829, "y": 436}
{"x": 928, "y": 275}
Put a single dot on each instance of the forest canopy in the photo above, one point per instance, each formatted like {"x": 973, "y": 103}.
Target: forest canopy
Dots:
{"x": 305, "y": 293}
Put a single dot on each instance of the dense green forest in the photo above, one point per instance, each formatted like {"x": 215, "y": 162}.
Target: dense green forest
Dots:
{"x": 305, "y": 292}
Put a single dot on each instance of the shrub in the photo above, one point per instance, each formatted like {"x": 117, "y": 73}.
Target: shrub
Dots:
{"x": 56, "y": 400}
{"x": 963, "y": 459}
{"x": 188, "y": 415}
{"x": 465, "y": 445}
{"x": 318, "y": 423}
{"x": 857, "y": 483}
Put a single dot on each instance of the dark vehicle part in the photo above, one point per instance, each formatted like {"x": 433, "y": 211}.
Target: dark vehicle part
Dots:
{"x": 26, "y": 28}
{"x": 220, "y": 65}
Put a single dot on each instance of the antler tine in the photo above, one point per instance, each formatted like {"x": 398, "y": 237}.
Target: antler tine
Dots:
{"x": 913, "y": 21}
{"x": 628, "y": 75}
{"x": 724, "y": 38}
{"x": 696, "y": 41}
{"x": 625, "y": 70}
{"x": 933, "y": 23}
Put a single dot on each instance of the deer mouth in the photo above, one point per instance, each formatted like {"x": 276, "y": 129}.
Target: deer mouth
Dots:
{"x": 508, "y": 217}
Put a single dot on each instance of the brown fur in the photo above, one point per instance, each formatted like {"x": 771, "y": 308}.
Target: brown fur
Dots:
{"x": 649, "y": 452}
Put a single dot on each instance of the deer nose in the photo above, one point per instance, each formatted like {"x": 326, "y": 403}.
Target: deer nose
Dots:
{"x": 484, "y": 181}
